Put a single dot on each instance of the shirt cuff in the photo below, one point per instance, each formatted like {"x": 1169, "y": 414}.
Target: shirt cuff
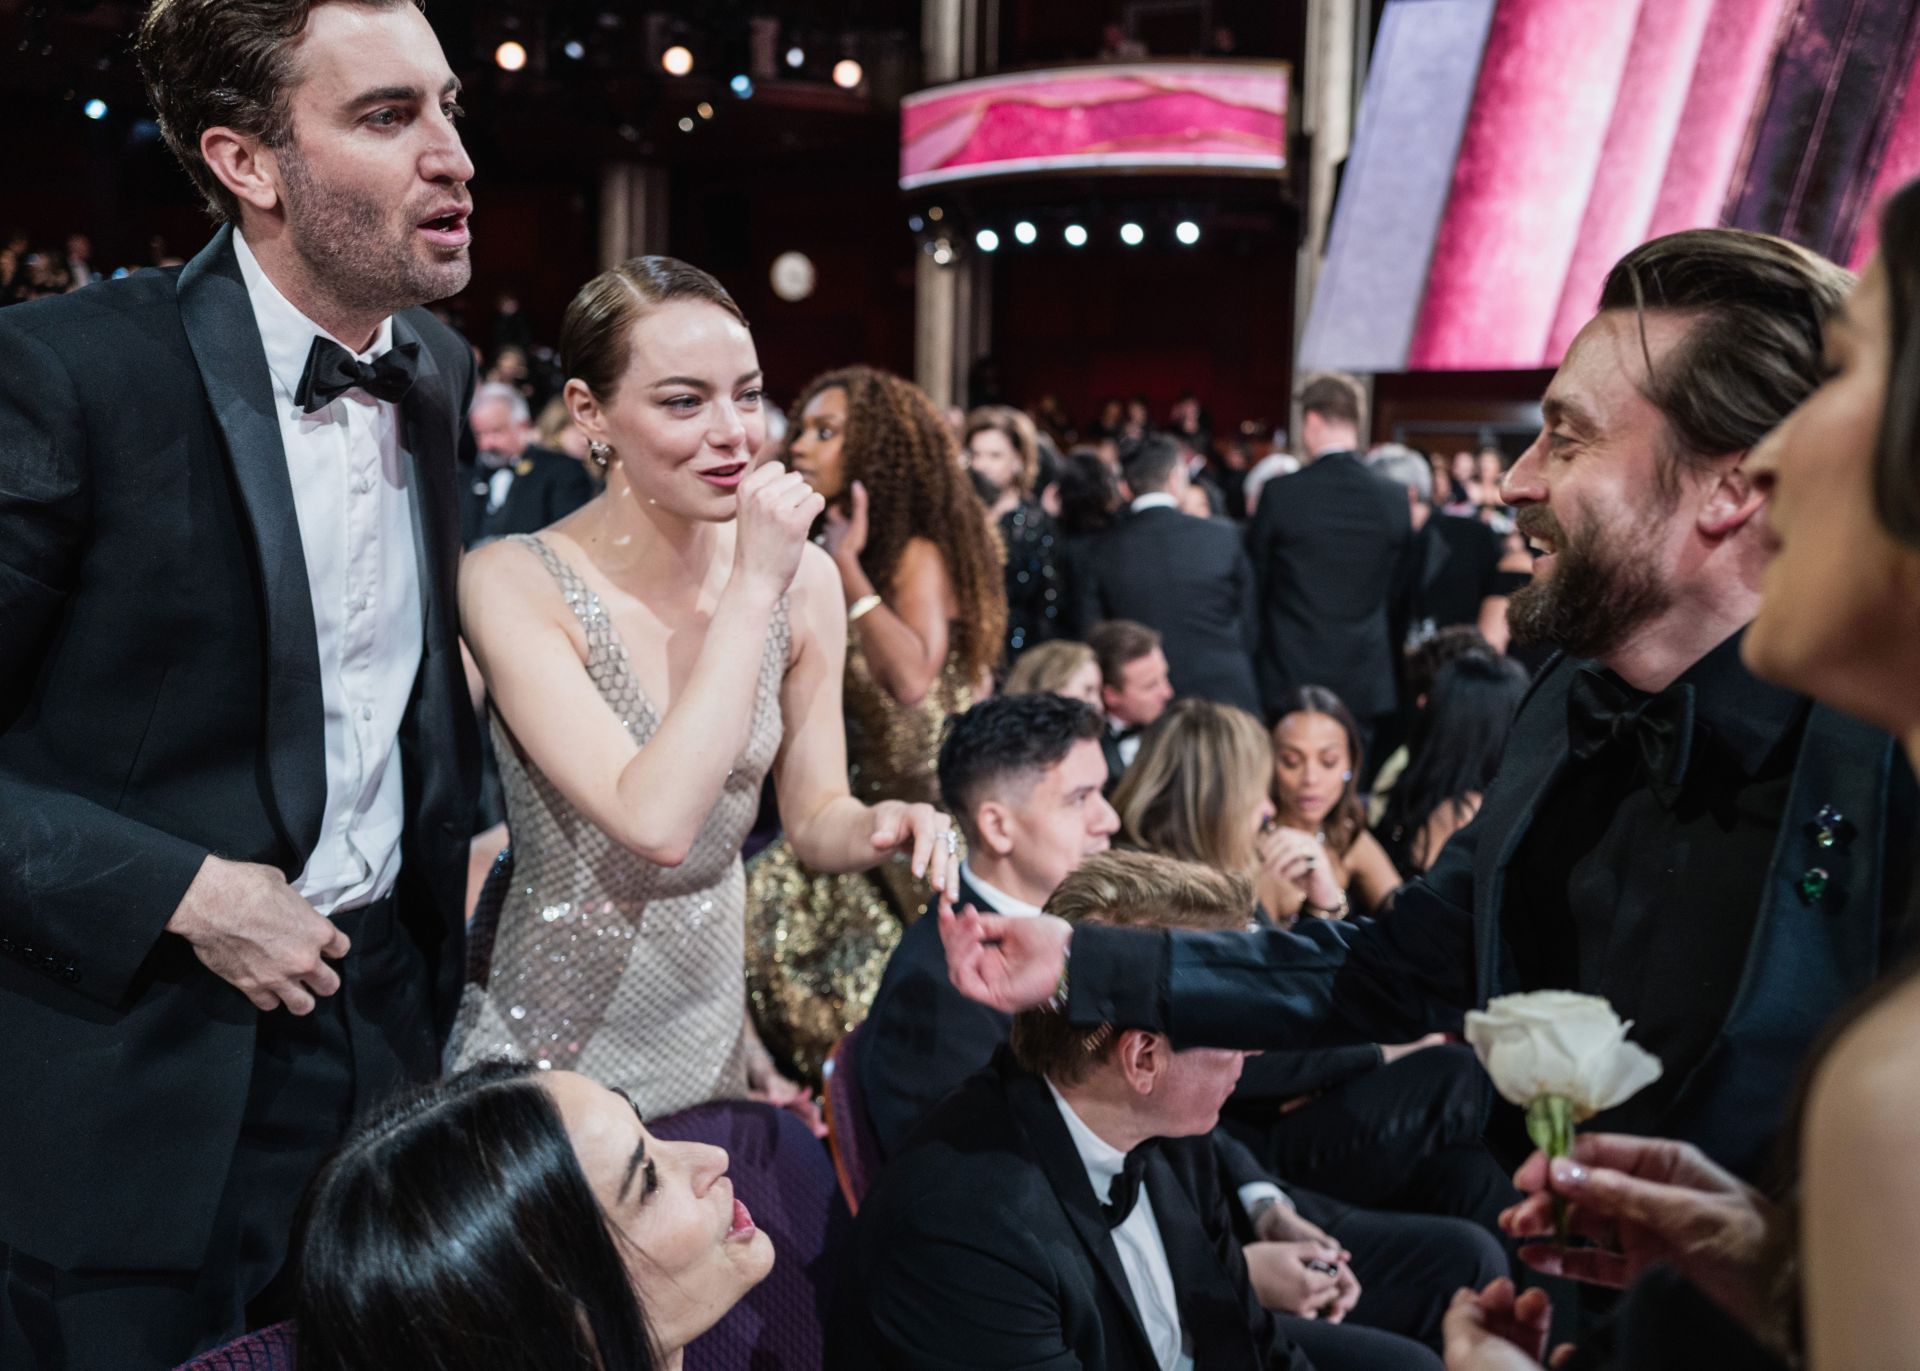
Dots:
{"x": 1255, "y": 1193}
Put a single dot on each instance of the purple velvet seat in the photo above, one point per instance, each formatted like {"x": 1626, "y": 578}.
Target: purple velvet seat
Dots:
{"x": 856, "y": 1150}
{"x": 782, "y": 1173}
{"x": 266, "y": 1349}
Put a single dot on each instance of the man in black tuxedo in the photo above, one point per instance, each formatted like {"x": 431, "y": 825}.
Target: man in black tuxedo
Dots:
{"x": 1456, "y": 561}
{"x": 513, "y": 485}
{"x": 1135, "y": 689}
{"x": 235, "y": 751}
{"x": 1185, "y": 577}
{"x": 1021, "y": 776}
{"x": 1720, "y": 858}
{"x": 1330, "y": 550}
{"x": 1068, "y": 1205}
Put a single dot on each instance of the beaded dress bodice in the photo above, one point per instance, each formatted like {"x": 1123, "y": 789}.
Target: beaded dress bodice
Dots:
{"x": 606, "y": 963}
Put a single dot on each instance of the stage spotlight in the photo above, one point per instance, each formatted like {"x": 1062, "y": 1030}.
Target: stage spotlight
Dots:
{"x": 935, "y": 214}
{"x": 510, "y": 56}
{"x": 686, "y": 124}
{"x": 742, "y": 86}
{"x": 1076, "y": 236}
{"x": 796, "y": 57}
{"x": 1187, "y": 232}
{"x": 677, "y": 60}
{"x": 704, "y": 110}
{"x": 95, "y": 109}
{"x": 574, "y": 49}
{"x": 943, "y": 253}
{"x": 1026, "y": 233}
{"x": 1132, "y": 235}
{"x": 987, "y": 240}
{"x": 848, "y": 73}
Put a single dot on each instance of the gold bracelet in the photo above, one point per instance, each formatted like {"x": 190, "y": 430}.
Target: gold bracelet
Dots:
{"x": 862, "y": 607}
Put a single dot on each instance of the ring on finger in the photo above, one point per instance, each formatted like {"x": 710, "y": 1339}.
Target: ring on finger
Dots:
{"x": 953, "y": 842}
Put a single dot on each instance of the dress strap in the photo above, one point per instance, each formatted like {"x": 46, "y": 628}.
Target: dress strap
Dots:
{"x": 583, "y": 602}
{"x": 607, "y": 662}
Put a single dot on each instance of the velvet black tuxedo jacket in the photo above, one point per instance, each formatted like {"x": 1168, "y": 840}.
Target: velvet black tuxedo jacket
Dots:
{"x": 1439, "y": 950}
{"x": 1331, "y": 547}
{"x": 1186, "y": 578}
{"x": 983, "y": 1246}
{"x": 160, "y": 701}
{"x": 922, "y": 1039}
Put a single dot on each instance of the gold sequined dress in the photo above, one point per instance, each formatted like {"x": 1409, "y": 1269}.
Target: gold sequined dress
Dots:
{"x": 606, "y": 963}
{"x": 817, "y": 944}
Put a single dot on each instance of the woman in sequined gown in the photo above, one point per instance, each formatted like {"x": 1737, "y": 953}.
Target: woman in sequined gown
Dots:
{"x": 648, "y": 660}
{"x": 920, "y": 571}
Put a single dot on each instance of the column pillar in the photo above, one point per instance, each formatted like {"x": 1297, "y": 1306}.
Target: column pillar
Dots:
{"x": 1333, "y": 71}
{"x": 944, "y": 298}
{"x": 633, "y": 212}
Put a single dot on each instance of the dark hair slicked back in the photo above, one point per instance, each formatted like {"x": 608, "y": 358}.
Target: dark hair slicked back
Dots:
{"x": 1758, "y": 306}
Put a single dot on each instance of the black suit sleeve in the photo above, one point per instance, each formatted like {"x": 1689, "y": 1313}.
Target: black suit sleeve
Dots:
{"x": 922, "y": 1041}
{"x": 940, "y": 1301}
{"x": 84, "y": 892}
{"x": 1249, "y": 601}
{"x": 569, "y": 488}
{"x": 1391, "y": 979}
{"x": 1277, "y": 1076}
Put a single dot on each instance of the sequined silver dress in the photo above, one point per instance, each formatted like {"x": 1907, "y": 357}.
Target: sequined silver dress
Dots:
{"x": 606, "y": 963}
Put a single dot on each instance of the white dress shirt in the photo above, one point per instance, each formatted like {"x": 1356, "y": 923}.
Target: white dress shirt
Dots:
{"x": 1143, "y": 1255}
{"x": 1128, "y": 747}
{"x": 1153, "y": 499}
{"x": 1002, "y": 902}
{"x": 356, "y": 530}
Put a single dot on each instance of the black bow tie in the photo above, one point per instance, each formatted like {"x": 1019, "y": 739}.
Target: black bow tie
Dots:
{"x": 1125, "y": 1189}
{"x": 1120, "y": 735}
{"x": 332, "y": 371}
{"x": 1601, "y": 713}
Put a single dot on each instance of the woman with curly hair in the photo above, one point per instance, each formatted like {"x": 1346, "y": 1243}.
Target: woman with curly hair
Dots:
{"x": 920, "y": 568}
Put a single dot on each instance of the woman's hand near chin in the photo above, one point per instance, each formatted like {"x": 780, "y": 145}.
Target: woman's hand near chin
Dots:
{"x": 776, "y": 511}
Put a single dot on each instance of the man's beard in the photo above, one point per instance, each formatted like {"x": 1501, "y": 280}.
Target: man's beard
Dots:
{"x": 345, "y": 240}
{"x": 1601, "y": 590}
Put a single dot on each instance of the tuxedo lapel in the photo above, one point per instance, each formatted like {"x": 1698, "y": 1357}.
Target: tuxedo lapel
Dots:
{"x": 1212, "y": 1313}
{"x": 1033, "y": 1109}
{"x": 425, "y": 420}
{"x": 218, "y": 318}
{"x": 1536, "y": 755}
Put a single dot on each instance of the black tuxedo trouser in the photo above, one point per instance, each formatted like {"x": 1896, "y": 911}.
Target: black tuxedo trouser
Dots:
{"x": 312, "y": 1076}
{"x": 1404, "y": 1137}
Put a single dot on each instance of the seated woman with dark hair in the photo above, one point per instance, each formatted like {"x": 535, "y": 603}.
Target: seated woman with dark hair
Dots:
{"x": 518, "y": 1220}
{"x": 1316, "y": 755}
{"x": 1455, "y": 749}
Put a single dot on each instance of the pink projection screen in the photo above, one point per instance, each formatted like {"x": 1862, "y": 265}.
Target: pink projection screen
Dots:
{"x": 1210, "y": 118}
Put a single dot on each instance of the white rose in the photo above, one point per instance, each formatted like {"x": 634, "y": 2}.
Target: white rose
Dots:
{"x": 1554, "y": 1043}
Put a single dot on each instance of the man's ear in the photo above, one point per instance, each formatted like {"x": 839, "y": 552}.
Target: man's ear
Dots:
{"x": 1109, "y": 697}
{"x": 1142, "y": 1057}
{"x": 995, "y": 826}
{"x": 244, "y": 165}
{"x": 1734, "y": 499}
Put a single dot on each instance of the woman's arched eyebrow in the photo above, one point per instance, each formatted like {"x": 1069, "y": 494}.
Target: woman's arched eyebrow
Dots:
{"x": 639, "y": 1157}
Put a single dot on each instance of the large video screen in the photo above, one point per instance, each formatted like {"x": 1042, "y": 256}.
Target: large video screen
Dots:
{"x": 1168, "y": 118}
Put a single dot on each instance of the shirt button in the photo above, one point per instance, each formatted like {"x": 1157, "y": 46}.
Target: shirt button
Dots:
{"x": 366, "y": 712}
{"x": 357, "y": 604}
